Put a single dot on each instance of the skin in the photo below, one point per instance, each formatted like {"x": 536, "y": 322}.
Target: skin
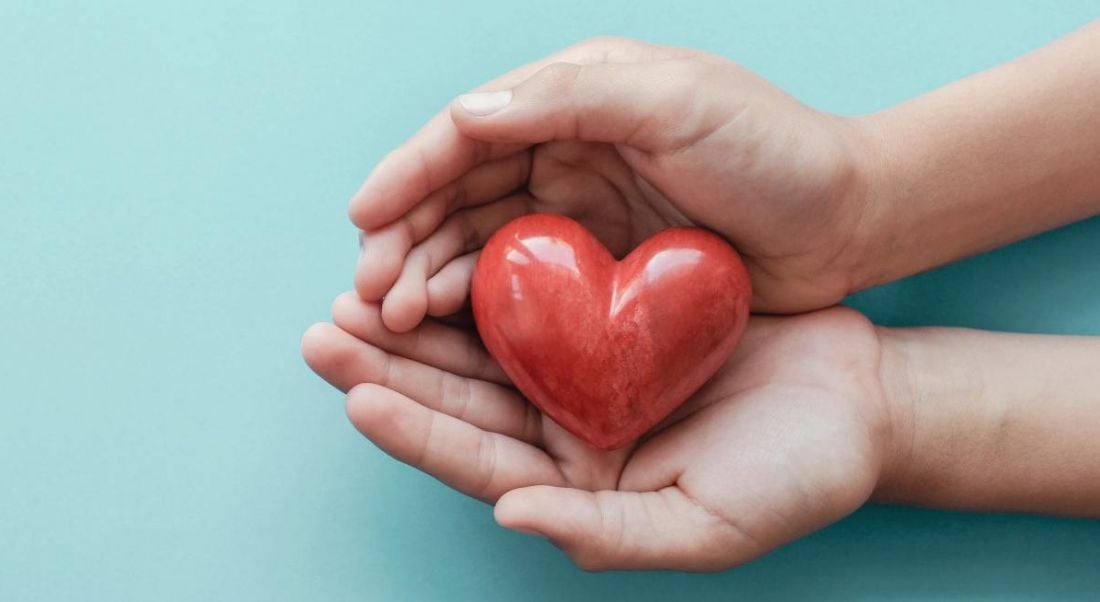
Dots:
{"x": 640, "y": 138}
{"x": 812, "y": 416}
{"x": 816, "y": 413}
{"x": 630, "y": 138}
{"x": 788, "y": 423}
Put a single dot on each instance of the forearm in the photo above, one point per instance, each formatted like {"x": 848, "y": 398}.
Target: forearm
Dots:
{"x": 988, "y": 160}
{"x": 993, "y": 421}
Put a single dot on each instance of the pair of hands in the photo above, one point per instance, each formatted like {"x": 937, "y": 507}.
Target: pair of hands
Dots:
{"x": 628, "y": 138}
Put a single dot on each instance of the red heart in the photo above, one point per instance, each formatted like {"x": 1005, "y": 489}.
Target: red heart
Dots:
{"x": 608, "y": 349}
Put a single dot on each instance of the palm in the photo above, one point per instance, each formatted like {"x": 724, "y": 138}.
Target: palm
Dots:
{"x": 592, "y": 183}
{"x": 794, "y": 423}
{"x": 788, "y": 403}
{"x": 784, "y": 439}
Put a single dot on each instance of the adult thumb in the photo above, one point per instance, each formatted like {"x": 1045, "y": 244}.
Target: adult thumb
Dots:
{"x": 649, "y": 106}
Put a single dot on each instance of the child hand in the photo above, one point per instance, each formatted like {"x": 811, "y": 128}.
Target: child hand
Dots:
{"x": 628, "y": 138}
{"x": 792, "y": 434}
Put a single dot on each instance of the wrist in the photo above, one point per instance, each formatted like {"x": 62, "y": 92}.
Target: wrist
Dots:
{"x": 978, "y": 164}
{"x": 882, "y": 170}
{"x": 983, "y": 420}
{"x": 863, "y": 234}
{"x": 899, "y": 391}
{"x": 945, "y": 415}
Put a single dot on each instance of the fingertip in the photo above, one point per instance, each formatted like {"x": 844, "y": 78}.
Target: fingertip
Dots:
{"x": 503, "y": 124}
{"x": 371, "y": 204}
{"x": 515, "y": 510}
{"x": 380, "y": 261}
{"x": 358, "y": 317}
{"x": 482, "y": 104}
{"x": 562, "y": 515}
{"x": 356, "y": 209}
{"x": 366, "y": 406}
{"x": 361, "y": 210}
{"x": 345, "y": 305}
{"x": 330, "y": 352}
{"x": 539, "y": 508}
{"x": 404, "y": 308}
{"x": 313, "y": 342}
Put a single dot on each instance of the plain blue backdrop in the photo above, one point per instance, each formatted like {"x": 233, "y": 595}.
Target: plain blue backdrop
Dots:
{"x": 173, "y": 180}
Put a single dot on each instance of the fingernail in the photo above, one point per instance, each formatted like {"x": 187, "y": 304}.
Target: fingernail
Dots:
{"x": 485, "y": 103}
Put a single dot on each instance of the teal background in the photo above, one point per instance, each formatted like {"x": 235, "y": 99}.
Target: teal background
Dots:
{"x": 173, "y": 180}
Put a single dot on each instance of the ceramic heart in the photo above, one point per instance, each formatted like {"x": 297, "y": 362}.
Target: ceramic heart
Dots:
{"x": 607, "y": 348}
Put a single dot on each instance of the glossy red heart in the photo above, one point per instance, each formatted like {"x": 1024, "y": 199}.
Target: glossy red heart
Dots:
{"x": 608, "y": 348}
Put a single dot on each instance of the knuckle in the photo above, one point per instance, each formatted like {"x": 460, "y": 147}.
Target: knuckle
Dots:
{"x": 486, "y": 463}
{"x": 454, "y": 395}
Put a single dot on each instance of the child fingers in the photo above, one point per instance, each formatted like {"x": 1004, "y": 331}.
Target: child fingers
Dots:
{"x": 346, "y": 362}
{"x": 381, "y": 255}
{"x": 407, "y": 302}
{"x": 478, "y": 463}
{"x": 448, "y": 348}
{"x": 434, "y": 156}
{"x": 449, "y": 289}
{"x": 384, "y": 249}
{"x": 439, "y": 153}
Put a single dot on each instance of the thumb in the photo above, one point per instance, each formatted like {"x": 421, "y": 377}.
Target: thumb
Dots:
{"x": 650, "y": 106}
{"x": 626, "y": 529}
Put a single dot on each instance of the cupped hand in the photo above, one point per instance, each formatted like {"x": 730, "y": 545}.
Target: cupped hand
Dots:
{"x": 628, "y": 138}
{"x": 790, "y": 435}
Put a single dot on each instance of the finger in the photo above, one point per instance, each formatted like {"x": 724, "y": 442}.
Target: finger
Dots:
{"x": 448, "y": 348}
{"x": 606, "y": 530}
{"x": 449, "y": 289}
{"x": 407, "y": 302}
{"x": 384, "y": 249}
{"x": 433, "y": 157}
{"x": 345, "y": 362}
{"x": 481, "y": 464}
{"x": 439, "y": 152}
{"x": 650, "y": 106}
{"x": 381, "y": 253}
